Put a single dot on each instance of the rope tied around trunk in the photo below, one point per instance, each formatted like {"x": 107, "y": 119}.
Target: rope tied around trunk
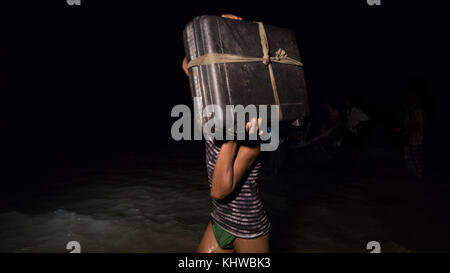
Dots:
{"x": 280, "y": 57}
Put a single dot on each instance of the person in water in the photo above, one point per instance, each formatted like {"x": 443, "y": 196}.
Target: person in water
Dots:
{"x": 238, "y": 221}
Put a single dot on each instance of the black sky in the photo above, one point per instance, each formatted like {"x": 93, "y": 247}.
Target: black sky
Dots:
{"x": 102, "y": 78}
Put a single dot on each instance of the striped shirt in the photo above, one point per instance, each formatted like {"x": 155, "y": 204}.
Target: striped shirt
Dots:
{"x": 241, "y": 213}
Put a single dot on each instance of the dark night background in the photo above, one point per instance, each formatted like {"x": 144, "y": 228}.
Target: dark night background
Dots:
{"x": 93, "y": 84}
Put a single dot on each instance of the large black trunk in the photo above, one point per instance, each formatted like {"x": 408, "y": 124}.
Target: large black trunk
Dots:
{"x": 244, "y": 83}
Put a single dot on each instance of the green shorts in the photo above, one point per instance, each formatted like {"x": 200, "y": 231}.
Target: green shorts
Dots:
{"x": 223, "y": 238}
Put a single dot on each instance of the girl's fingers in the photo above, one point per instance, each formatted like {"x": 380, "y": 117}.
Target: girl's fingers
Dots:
{"x": 259, "y": 126}
{"x": 253, "y": 126}
{"x": 231, "y": 16}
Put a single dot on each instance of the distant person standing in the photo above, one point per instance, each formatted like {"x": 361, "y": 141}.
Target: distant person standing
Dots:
{"x": 356, "y": 119}
{"x": 413, "y": 132}
{"x": 331, "y": 129}
{"x": 330, "y": 117}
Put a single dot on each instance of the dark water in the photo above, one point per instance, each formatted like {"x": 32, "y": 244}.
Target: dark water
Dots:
{"x": 161, "y": 204}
